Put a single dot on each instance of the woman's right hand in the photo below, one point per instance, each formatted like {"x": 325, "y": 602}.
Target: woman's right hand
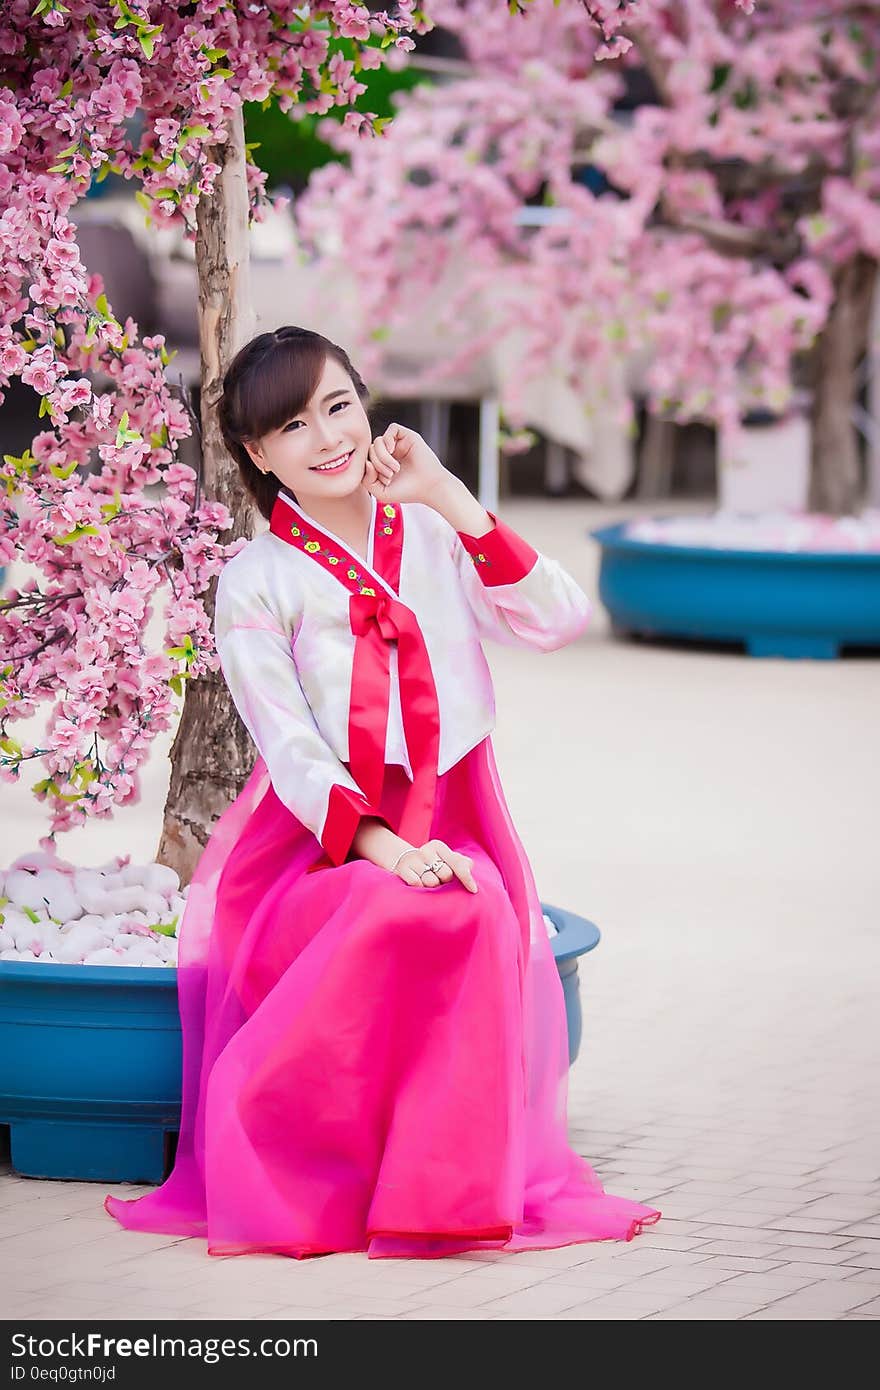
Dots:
{"x": 412, "y": 863}
{"x": 374, "y": 840}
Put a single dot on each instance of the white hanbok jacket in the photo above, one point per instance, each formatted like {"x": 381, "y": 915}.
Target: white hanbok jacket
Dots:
{"x": 339, "y": 665}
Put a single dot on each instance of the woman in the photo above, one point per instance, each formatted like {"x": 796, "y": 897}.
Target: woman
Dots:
{"x": 375, "y": 1051}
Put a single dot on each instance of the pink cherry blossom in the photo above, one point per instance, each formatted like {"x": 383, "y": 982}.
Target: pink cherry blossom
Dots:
{"x": 101, "y": 510}
{"x": 716, "y": 281}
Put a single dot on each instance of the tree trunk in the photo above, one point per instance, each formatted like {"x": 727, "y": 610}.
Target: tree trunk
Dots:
{"x": 835, "y": 476}
{"x": 212, "y": 753}
{"x": 656, "y": 458}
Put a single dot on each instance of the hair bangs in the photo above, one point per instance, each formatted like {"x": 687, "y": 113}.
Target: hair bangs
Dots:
{"x": 286, "y": 382}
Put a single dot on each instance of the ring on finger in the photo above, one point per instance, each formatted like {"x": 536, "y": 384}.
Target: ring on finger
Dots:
{"x": 435, "y": 865}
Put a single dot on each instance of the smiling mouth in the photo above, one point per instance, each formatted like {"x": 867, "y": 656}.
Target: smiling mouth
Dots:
{"x": 333, "y": 465}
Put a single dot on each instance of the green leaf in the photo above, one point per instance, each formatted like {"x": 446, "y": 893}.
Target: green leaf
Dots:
{"x": 29, "y": 912}
{"x": 111, "y": 509}
{"x": 124, "y": 435}
{"x": 78, "y": 531}
{"x": 25, "y": 463}
{"x": 165, "y": 928}
{"x": 63, "y": 473}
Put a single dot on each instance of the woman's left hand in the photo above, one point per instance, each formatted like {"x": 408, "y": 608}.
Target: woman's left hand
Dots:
{"x": 401, "y": 467}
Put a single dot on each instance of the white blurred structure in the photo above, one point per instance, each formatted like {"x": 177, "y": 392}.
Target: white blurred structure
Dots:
{"x": 159, "y": 263}
{"x": 770, "y": 469}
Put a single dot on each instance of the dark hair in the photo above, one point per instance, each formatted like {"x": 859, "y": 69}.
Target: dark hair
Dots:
{"x": 267, "y": 382}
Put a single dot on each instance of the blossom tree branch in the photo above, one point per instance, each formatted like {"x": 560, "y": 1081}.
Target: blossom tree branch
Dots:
{"x": 100, "y": 514}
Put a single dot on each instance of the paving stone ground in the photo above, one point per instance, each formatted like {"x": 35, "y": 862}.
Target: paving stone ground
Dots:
{"x": 716, "y": 816}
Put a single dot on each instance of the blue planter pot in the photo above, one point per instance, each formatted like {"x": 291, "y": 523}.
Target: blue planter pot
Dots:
{"x": 91, "y": 1061}
{"x": 574, "y": 937}
{"x": 778, "y": 603}
{"x": 90, "y": 1069}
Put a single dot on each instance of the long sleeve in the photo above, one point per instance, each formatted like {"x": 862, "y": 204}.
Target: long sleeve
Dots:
{"x": 307, "y": 776}
{"x": 519, "y": 596}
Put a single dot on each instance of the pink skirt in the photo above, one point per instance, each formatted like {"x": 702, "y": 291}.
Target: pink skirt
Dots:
{"x": 370, "y": 1066}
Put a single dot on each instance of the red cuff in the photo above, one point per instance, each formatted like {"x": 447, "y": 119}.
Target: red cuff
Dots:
{"x": 345, "y": 810}
{"x": 501, "y": 556}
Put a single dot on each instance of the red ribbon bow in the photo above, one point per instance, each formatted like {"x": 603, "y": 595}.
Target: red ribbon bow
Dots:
{"x": 377, "y": 620}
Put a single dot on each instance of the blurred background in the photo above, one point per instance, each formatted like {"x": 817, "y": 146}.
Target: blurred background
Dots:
{"x": 621, "y": 451}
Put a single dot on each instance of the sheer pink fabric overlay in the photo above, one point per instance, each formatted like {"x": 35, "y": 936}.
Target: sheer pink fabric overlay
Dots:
{"x": 369, "y": 1066}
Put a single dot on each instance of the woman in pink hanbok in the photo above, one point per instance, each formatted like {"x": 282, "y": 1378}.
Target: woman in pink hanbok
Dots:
{"x": 374, "y": 1036}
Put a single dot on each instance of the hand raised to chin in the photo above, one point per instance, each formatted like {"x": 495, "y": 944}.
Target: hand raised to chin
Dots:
{"x": 401, "y": 467}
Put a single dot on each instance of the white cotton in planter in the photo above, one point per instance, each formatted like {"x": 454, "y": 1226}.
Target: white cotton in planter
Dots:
{"x": 6, "y": 941}
{"x": 36, "y": 936}
{"x": 88, "y": 881}
{"x": 135, "y": 919}
{"x": 102, "y": 924}
{"x": 128, "y": 941}
{"x": 552, "y": 929}
{"x": 141, "y": 954}
{"x": 106, "y": 956}
{"x": 78, "y": 941}
{"x": 135, "y": 898}
{"x": 46, "y": 890}
{"x": 59, "y": 895}
{"x": 21, "y": 889}
{"x": 13, "y": 918}
{"x": 17, "y": 955}
{"x": 65, "y": 905}
{"x": 156, "y": 878}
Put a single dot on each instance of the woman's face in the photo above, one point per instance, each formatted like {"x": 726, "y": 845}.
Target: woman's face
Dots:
{"x": 322, "y": 451}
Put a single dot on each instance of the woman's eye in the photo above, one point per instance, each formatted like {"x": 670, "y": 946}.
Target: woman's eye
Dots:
{"x": 340, "y": 405}
{"x": 292, "y": 425}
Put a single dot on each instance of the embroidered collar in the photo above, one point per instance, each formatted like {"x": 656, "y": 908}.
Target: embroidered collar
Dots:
{"x": 382, "y": 566}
